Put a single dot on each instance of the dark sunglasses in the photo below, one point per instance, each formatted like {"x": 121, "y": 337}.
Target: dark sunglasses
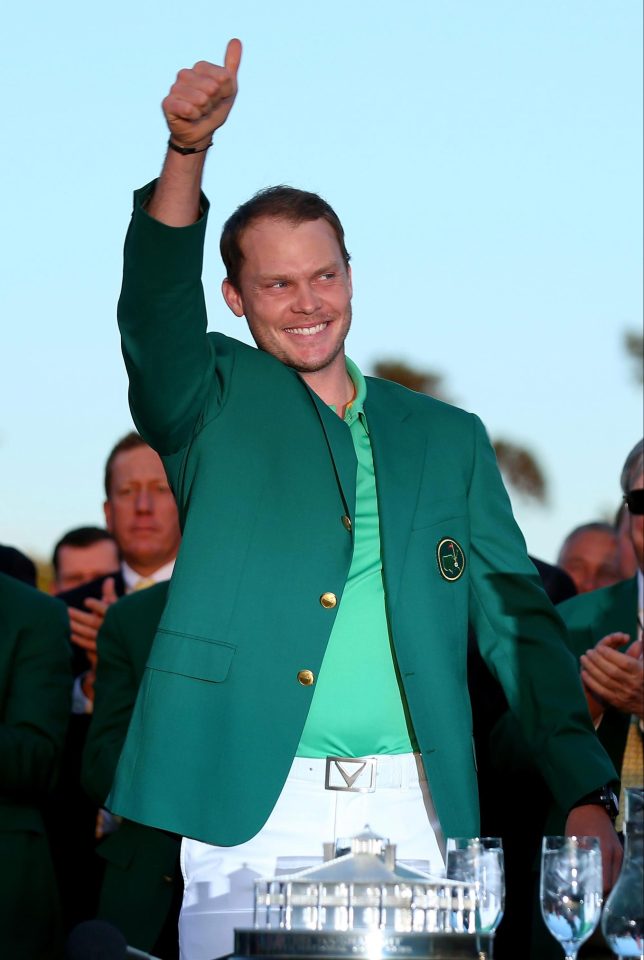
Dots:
{"x": 635, "y": 501}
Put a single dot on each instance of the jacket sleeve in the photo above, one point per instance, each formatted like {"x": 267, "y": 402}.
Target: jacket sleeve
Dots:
{"x": 37, "y": 703}
{"x": 523, "y": 641}
{"x": 115, "y": 693}
{"x": 162, "y": 319}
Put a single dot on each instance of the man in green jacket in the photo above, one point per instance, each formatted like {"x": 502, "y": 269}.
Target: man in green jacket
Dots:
{"x": 309, "y": 671}
{"x": 604, "y": 633}
{"x": 605, "y": 630}
{"x": 35, "y": 695}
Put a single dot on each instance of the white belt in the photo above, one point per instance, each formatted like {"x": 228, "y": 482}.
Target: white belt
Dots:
{"x": 361, "y": 774}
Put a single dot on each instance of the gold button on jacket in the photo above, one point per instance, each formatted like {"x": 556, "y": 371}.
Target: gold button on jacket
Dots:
{"x": 306, "y": 677}
{"x": 328, "y": 600}
{"x": 347, "y": 522}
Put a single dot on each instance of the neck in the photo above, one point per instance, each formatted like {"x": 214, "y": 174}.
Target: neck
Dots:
{"x": 333, "y": 384}
{"x": 143, "y": 569}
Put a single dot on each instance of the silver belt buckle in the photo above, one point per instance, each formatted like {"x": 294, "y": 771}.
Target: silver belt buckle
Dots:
{"x": 350, "y": 774}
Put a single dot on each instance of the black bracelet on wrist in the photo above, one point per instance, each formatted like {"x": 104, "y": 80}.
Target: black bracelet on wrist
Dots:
{"x": 602, "y": 797}
{"x": 187, "y": 151}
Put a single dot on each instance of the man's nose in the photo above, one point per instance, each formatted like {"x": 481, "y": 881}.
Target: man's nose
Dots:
{"x": 144, "y": 502}
{"x": 587, "y": 582}
{"x": 306, "y": 299}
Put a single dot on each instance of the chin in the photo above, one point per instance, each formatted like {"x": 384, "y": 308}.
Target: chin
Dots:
{"x": 149, "y": 558}
{"x": 314, "y": 364}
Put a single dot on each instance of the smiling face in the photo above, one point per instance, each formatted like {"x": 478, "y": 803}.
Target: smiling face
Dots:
{"x": 295, "y": 292}
{"x": 140, "y": 512}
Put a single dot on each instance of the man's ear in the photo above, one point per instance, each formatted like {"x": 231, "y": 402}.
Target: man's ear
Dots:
{"x": 233, "y": 298}
{"x": 107, "y": 510}
{"x": 350, "y": 275}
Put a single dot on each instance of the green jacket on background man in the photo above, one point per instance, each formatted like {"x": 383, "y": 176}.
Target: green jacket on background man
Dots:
{"x": 594, "y": 615}
{"x": 35, "y": 702}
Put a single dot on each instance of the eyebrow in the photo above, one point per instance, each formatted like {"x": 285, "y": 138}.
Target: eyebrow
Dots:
{"x": 331, "y": 267}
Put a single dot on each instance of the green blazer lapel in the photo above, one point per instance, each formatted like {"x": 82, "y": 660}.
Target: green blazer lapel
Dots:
{"x": 341, "y": 452}
{"x": 398, "y": 444}
{"x": 620, "y": 614}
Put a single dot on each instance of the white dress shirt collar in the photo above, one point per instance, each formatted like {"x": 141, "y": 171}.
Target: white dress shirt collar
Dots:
{"x": 131, "y": 577}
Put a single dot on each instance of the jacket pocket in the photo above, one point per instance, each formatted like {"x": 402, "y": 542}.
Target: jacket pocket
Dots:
{"x": 430, "y": 512}
{"x": 191, "y": 656}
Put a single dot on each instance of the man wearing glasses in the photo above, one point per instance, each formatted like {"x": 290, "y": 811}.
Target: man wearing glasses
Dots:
{"x": 605, "y": 628}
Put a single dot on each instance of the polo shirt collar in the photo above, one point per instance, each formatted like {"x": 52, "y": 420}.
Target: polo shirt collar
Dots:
{"x": 355, "y": 408}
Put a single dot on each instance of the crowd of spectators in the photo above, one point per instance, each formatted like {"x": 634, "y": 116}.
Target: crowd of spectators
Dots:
{"x": 70, "y": 669}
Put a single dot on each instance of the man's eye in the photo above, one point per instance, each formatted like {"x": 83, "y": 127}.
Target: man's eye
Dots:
{"x": 278, "y": 284}
{"x": 328, "y": 276}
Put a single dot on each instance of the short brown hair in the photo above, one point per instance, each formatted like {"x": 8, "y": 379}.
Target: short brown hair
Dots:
{"x": 275, "y": 203}
{"x": 129, "y": 442}
{"x": 80, "y": 537}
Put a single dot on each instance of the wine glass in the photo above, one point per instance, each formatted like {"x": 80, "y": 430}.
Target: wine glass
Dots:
{"x": 479, "y": 861}
{"x": 571, "y": 889}
{"x": 623, "y": 917}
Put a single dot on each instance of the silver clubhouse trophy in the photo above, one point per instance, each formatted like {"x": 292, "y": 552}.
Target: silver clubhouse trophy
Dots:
{"x": 360, "y": 903}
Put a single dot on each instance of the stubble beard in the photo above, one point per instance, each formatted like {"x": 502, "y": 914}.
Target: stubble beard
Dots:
{"x": 300, "y": 366}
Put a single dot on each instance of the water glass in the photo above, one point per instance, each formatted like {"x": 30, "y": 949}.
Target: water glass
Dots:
{"x": 479, "y": 861}
{"x": 571, "y": 889}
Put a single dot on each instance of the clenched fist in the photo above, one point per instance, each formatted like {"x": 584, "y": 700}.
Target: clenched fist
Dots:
{"x": 200, "y": 99}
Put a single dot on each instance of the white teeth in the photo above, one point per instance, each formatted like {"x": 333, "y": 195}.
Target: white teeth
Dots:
{"x": 307, "y": 331}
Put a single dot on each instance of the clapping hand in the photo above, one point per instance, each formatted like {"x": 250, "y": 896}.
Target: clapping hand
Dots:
{"x": 613, "y": 678}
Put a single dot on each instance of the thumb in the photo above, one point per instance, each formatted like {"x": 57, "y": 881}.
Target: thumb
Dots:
{"x": 614, "y": 640}
{"x": 109, "y": 593}
{"x": 232, "y": 58}
{"x": 635, "y": 650}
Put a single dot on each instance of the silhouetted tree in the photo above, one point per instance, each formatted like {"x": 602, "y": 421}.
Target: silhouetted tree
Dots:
{"x": 521, "y": 469}
{"x": 634, "y": 346}
{"x": 519, "y": 466}
{"x": 423, "y": 381}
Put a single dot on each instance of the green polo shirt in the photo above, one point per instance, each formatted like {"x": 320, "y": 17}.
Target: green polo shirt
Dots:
{"x": 358, "y": 705}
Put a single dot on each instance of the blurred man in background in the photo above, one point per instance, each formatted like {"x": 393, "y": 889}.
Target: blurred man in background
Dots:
{"x": 82, "y": 555}
{"x": 589, "y": 556}
{"x": 137, "y": 550}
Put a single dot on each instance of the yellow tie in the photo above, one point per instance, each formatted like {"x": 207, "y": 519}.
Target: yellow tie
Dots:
{"x": 632, "y": 773}
{"x": 143, "y": 584}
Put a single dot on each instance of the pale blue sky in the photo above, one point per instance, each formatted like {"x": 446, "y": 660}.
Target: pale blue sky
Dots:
{"x": 485, "y": 158}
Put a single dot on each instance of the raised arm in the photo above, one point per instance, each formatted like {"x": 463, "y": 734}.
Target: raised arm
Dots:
{"x": 162, "y": 314}
{"x": 198, "y": 104}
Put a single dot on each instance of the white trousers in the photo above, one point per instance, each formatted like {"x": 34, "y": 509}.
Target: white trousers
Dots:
{"x": 219, "y": 881}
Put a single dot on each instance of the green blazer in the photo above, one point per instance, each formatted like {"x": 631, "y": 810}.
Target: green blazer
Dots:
{"x": 591, "y": 616}
{"x": 142, "y": 864}
{"x": 35, "y": 702}
{"x": 263, "y": 473}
